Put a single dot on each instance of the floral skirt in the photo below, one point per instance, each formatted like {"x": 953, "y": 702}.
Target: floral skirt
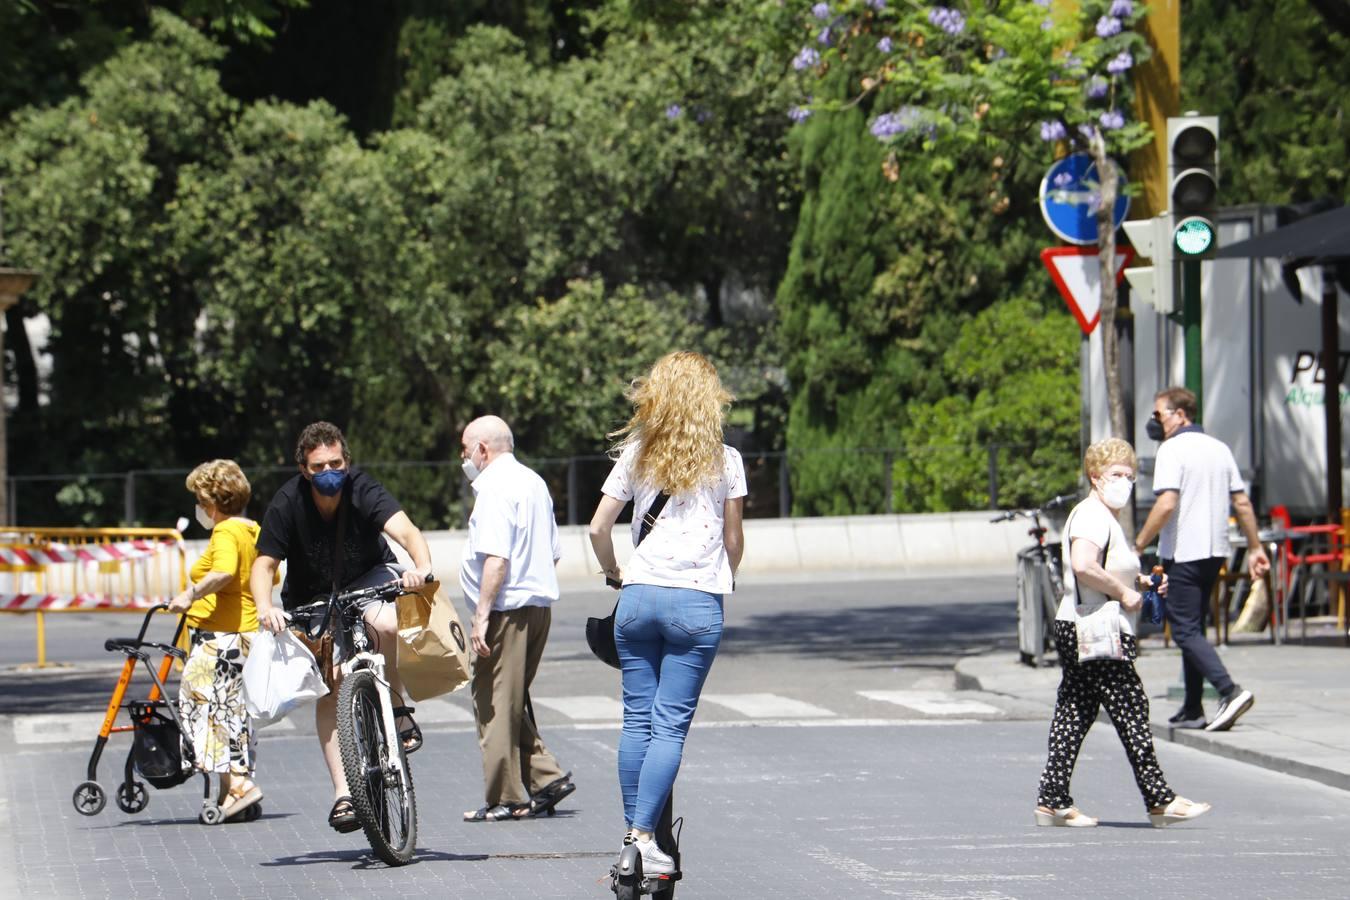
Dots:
{"x": 211, "y": 702}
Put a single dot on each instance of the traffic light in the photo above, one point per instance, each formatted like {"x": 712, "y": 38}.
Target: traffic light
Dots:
{"x": 1193, "y": 184}
{"x": 1153, "y": 284}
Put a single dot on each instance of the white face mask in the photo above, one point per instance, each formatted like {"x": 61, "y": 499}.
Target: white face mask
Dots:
{"x": 203, "y": 519}
{"x": 471, "y": 471}
{"x": 1115, "y": 492}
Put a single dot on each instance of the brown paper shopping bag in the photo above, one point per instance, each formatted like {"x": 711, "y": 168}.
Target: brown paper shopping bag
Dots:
{"x": 433, "y": 650}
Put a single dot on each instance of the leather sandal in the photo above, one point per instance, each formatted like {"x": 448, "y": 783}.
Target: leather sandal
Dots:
{"x": 1179, "y": 810}
{"x": 239, "y": 798}
{"x": 1068, "y": 817}
{"x": 498, "y": 813}
{"x": 342, "y": 818}
{"x": 412, "y": 735}
{"x": 550, "y": 795}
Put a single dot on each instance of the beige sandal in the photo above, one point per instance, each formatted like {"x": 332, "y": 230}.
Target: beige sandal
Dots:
{"x": 1068, "y": 817}
{"x": 240, "y": 798}
{"x": 1179, "y": 810}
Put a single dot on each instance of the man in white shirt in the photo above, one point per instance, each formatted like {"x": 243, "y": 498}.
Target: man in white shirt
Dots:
{"x": 1195, "y": 480}
{"x": 510, "y": 583}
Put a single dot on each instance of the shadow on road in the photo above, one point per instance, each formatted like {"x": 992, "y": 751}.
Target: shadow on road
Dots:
{"x": 878, "y": 633}
{"x": 66, "y": 691}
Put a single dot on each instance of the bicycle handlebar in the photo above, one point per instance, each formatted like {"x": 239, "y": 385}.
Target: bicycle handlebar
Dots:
{"x": 1053, "y": 503}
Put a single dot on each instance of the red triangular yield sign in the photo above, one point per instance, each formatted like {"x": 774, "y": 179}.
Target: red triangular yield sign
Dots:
{"x": 1077, "y": 272}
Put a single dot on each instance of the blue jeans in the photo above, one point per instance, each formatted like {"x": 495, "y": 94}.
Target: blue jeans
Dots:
{"x": 667, "y": 639}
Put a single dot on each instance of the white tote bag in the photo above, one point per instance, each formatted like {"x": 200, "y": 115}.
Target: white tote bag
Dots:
{"x": 279, "y": 675}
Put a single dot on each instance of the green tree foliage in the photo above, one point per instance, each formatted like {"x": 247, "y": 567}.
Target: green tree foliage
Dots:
{"x": 1275, "y": 74}
{"x": 1010, "y": 381}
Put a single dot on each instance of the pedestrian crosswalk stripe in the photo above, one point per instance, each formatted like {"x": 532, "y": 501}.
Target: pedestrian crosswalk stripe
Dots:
{"x": 585, "y": 706}
{"x": 768, "y": 706}
{"x": 439, "y": 710}
{"x": 933, "y": 703}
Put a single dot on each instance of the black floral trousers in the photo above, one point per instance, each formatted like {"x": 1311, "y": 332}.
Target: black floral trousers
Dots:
{"x": 1084, "y": 688}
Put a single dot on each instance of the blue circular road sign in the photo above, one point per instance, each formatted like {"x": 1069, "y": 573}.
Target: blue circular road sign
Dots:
{"x": 1069, "y": 193}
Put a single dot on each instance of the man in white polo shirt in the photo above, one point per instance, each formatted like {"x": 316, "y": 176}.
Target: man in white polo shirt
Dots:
{"x": 1196, "y": 480}
{"x": 510, "y": 583}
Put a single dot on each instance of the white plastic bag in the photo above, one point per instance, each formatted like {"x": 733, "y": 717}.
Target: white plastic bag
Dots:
{"x": 279, "y": 675}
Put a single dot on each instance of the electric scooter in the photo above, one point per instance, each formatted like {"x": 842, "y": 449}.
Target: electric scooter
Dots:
{"x": 627, "y": 880}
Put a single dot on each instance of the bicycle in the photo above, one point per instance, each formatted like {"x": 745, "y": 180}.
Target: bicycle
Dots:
{"x": 376, "y": 765}
{"x": 1040, "y": 582}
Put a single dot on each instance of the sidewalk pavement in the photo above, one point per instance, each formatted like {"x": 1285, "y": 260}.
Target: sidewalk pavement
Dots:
{"x": 1299, "y": 725}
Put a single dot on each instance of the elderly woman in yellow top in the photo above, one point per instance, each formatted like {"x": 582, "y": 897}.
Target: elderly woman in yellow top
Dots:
{"x": 219, "y": 607}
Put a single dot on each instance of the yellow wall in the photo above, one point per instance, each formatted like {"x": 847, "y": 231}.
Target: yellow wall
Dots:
{"x": 1157, "y": 86}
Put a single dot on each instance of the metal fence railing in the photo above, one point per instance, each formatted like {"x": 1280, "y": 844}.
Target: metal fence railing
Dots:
{"x": 436, "y": 495}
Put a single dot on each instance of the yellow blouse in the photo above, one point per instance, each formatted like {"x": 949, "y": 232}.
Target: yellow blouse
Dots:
{"x": 232, "y": 550}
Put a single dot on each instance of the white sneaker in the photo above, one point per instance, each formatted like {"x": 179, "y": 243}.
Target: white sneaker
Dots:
{"x": 655, "y": 861}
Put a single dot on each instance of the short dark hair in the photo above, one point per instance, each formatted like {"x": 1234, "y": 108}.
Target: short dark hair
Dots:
{"x": 320, "y": 434}
{"x": 1180, "y": 399}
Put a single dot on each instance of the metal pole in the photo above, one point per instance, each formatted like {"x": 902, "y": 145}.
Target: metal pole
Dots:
{"x": 784, "y": 488}
{"x": 1190, "y": 324}
{"x": 572, "y": 491}
{"x": 993, "y": 476}
{"x": 1331, "y": 383}
{"x": 129, "y": 499}
{"x": 888, "y": 460}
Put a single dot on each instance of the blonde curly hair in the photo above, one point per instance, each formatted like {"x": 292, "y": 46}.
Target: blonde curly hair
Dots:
{"x": 221, "y": 483}
{"x": 678, "y": 409}
{"x": 1106, "y": 453}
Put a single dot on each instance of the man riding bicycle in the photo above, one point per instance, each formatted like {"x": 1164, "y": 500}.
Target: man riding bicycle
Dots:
{"x": 302, "y": 526}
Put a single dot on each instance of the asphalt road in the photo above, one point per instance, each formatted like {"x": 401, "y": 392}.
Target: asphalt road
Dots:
{"x": 831, "y": 757}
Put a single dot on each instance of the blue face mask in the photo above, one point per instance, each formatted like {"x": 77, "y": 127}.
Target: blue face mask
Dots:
{"x": 329, "y": 482}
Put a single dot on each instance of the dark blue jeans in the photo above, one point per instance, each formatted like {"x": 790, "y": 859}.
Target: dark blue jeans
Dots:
{"x": 1189, "y": 585}
{"x": 667, "y": 639}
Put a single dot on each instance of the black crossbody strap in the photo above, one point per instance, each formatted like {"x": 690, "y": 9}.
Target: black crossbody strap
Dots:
{"x": 653, "y": 512}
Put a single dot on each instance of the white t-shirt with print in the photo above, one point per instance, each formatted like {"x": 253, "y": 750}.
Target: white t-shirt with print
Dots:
{"x": 1202, "y": 471}
{"x": 1092, "y": 521}
{"x": 685, "y": 547}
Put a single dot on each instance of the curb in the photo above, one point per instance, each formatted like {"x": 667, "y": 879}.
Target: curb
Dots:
{"x": 1196, "y": 740}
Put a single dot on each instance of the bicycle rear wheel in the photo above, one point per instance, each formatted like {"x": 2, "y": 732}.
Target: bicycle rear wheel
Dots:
{"x": 382, "y": 793}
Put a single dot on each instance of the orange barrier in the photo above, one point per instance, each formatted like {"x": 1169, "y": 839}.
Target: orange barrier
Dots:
{"x": 46, "y": 570}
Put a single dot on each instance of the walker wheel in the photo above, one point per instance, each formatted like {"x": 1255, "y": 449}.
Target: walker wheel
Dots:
{"x": 211, "y": 815}
{"x": 251, "y": 814}
{"x": 132, "y": 797}
{"x": 89, "y": 798}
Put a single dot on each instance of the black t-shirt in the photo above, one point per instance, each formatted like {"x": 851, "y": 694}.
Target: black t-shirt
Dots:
{"x": 293, "y": 530}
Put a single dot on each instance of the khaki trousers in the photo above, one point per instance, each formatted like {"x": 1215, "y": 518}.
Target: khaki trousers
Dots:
{"x": 515, "y": 759}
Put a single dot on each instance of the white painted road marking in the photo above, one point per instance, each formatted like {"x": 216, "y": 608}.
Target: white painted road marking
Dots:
{"x": 438, "y": 710}
{"x": 768, "y": 706}
{"x": 933, "y": 703}
{"x": 585, "y": 706}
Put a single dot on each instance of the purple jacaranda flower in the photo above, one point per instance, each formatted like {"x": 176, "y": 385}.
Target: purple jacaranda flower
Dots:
{"x": 1094, "y": 202}
{"x": 1121, "y": 64}
{"x": 1053, "y": 130}
{"x": 1108, "y": 26}
{"x": 1098, "y": 87}
{"x": 1112, "y": 119}
{"x": 890, "y": 124}
{"x": 1087, "y": 132}
{"x": 1122, "y": 9}
{"x": 948, "y": 19}
{"x": 1063, "y": 180}
{"x": 878, "y": 5}
{"x": 1043, "y": 4}
{"x": 824, "y": 36}
{"x": 702, "y": 114}
{"x": 1047, "y": 24}
{"x": 821, "y": 10}
{"x": 674, "y": 111}
{"x": 805, "y": 58}
{"x": 799, "y": 113}
{"x": 884, "y": 45}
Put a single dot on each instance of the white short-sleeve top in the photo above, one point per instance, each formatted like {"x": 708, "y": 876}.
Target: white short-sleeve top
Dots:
{"x": 1092, "y": 521}
{"x": 1202, "y": 471}
{"x": 685, "y": 547}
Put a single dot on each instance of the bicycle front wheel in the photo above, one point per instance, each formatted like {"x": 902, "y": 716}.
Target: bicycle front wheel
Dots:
{"x": 381, "y": 787}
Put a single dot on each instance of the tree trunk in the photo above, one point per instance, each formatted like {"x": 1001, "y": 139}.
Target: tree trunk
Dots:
{"x": 1106, "y": 252}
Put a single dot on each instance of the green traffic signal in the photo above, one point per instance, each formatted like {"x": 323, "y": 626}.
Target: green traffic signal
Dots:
{"x": 1193, "y": 236}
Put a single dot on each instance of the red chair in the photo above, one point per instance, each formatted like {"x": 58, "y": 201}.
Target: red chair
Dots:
{"x": 1329, "y": 552}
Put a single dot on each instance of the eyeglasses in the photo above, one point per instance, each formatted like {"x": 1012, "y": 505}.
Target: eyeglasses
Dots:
{"x": 1157, "y": 417}
{"x": 1118, "y": 476}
